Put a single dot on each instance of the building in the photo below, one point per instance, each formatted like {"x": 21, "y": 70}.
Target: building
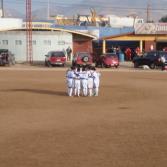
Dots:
{"x": 147, "y": 36}
{"x": 44, "y": 39}
{"x": 10, "y": 24}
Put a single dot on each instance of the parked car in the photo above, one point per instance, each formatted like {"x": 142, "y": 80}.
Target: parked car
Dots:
{"x": 107, "y": 60}
{"x": 151, "y": 59}
{"x": 82, "y": 59}
{"x": 55, "y": 58}
{"x": 6, "y": 57}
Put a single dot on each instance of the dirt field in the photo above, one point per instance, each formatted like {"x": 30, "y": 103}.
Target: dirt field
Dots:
{"x": 126, "y": 126}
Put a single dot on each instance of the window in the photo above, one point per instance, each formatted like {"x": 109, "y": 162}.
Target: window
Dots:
{"x": 61, "y": 42}
{"x": 18, "y": 42}
{"x": 57, "y": 54}
{"x": 5, "y": 42}
{"x": 34, "y": 42}
{"x": 47, "y": 42}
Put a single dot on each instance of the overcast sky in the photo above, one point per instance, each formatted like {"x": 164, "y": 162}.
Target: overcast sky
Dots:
{"x": 122, "y": 7}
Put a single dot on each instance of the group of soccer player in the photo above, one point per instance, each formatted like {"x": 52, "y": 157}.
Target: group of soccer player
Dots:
{"x": 82, "y": 81}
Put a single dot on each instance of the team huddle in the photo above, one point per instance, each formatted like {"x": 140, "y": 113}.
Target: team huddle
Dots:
{"x": 82, "y": 81}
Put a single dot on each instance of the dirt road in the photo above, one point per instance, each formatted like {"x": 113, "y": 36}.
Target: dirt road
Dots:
{"x": 126, "y": 126}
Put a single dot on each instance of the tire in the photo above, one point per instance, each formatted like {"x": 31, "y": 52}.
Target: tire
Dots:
{"x": 136, "y": 65}
{"x": 48, "y": 64}
{"x": 85, "y": 59}
{"x": 9, "y": 63}
{"x": 13, "y": 62}
{"x": 152, "y": 66}
{"x": 103, "y": 65}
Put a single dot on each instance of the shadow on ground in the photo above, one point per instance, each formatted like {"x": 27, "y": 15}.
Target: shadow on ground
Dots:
{"x": 39, "y": 91}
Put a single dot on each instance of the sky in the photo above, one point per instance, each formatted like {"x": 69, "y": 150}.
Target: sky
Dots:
{"x": 122, "y": 7}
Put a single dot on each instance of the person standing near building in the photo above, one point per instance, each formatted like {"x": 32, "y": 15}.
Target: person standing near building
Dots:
{"x": 137, "y": 51}
{"x": 128, "y": 53}
{"x": 69, "y": 52}
{"x": 163, "y": 60}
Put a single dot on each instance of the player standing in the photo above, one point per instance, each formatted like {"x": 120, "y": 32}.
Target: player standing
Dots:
{"x": 84, "y": 81}
{"x": 96, "y": 81}
{"x": 90, "y": 81}
{"x": 77, "y": 82}
{"x": 70, "y": 81}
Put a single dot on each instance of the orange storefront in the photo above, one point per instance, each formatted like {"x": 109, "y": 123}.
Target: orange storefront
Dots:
{"x": 151, "y": 36}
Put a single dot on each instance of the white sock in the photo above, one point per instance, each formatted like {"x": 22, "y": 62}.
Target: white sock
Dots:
{"x": 70, "y": 91}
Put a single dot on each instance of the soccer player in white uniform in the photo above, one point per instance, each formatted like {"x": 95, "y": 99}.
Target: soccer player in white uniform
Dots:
{"x": 96, "y": 81}
{"x": 77, "y": 82}
{"x": 90, "y": 82}
{"x": 84, "y": 81}
{"x": 70, "y": 81}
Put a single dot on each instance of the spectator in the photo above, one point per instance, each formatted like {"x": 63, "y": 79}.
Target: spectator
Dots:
{"x": 69, "y": 51}
{"x": 137, "y": 51}
{"x": 165, "y": 49}
{"x": 163, "y": 60}
{"x": 128, "y": 53}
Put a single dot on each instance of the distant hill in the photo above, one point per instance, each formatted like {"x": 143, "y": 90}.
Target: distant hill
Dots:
{"x": 13, "y": 13}
{"x": 104, "y": 7}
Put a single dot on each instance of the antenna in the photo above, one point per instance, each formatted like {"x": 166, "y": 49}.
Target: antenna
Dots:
{"x": 48, "y": 10}
{"x": 148, "y": 11}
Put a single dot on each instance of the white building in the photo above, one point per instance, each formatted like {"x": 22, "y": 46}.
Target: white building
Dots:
{"x": 42, "y": 41}
{"x": 10, "y": 23}
{"x": 119, "y": 22}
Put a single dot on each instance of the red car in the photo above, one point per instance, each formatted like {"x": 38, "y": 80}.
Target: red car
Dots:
{"x": 107, "y": 60}
{"x": 55, "y": 58}
{"x": 82, "y": 59}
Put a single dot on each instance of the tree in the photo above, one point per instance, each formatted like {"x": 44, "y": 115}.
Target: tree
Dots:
{"x": 163, "y": 19}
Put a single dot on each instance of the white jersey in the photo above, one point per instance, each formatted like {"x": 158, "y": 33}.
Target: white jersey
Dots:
{"x": 77, "y": 81}
{"x": 96, "y": 79}
{"x": 90, "y": 79}
{"x": 70, "y": 78}
{"x": 84, "y": 79}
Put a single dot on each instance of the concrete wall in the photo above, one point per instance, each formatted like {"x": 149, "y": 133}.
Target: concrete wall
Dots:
{"x": 43, "y": 42}
{"x": 10, "y": 23}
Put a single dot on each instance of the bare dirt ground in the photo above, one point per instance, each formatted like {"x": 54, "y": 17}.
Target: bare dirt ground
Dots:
{"x": 126, "y": 126}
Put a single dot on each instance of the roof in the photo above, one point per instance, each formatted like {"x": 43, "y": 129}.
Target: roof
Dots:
{"x": 110, "y": 31}
{"x": 117, "y": 36}
{"x": 102, "y": 31}
{"x": 48, "y": 27}
{"x": 136, "y": 37}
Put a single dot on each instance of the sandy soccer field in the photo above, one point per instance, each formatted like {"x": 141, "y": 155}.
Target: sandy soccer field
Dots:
{"x": 126, "y": 126}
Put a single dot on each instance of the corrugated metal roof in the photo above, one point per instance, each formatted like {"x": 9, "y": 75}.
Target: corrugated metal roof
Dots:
{"x": 103, "y": 31}
{"x": 64, "y": 30}
{"x": 109, "y": 31}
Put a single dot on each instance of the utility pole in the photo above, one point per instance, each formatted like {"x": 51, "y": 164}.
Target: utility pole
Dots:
{"x": 2, "y": 8}
{"x": 48, "y": 10}
{"x": 29, "y": 49}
